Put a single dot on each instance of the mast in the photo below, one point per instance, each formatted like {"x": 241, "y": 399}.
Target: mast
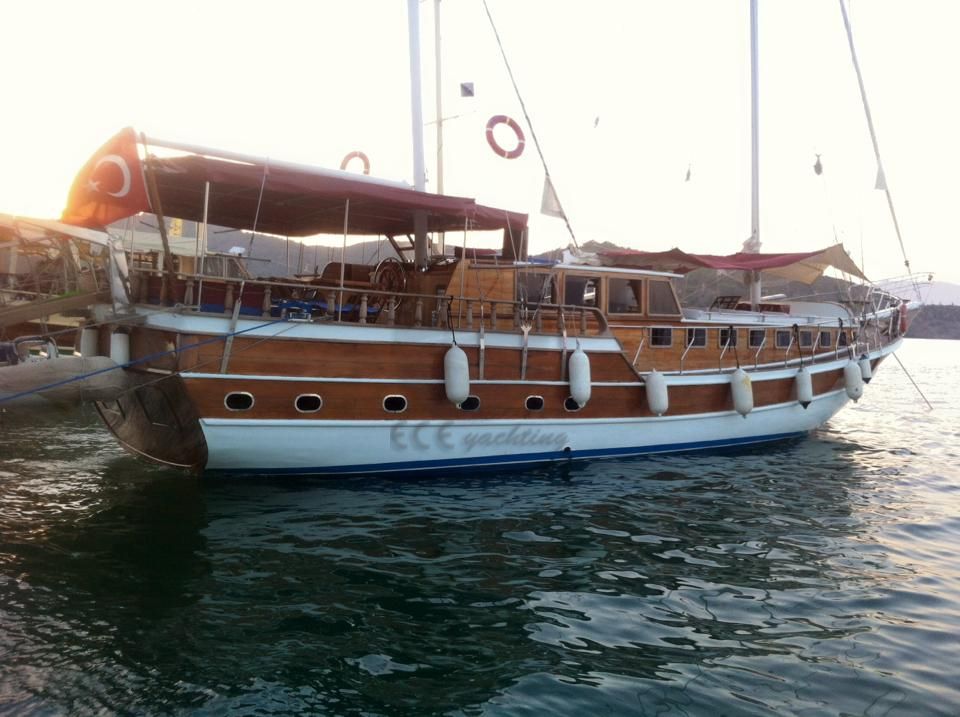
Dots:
{"x": 436, "y": 42}
{"x": 442, "y": 242}
{"x": 421, "y": 250}
{"x": 753, "y": 244}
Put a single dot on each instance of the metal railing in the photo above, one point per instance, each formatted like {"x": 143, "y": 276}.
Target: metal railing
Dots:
{"x": 370, "y": 302}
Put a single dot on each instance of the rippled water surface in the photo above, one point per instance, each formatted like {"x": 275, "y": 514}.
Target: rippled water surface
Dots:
{"x": 814, "y": 577}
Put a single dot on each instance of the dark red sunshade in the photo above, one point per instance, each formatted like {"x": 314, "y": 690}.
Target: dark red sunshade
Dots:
{"x": 288, "y": 200}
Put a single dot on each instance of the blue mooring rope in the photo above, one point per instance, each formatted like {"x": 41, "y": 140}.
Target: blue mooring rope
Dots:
{"x": 4, "y": 399}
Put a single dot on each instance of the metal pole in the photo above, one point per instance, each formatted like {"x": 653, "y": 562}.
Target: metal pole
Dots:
{"x": 416, "y": 119}
{"x": 203, "y": 241}
{"x": 343, "y": 266}
{"x": 754, "y": 244}
{"x": 439, "y": 90}
{"x": 436, "y": 35}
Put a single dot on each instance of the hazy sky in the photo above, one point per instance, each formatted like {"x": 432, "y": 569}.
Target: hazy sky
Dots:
{"x": 624, "y": 96}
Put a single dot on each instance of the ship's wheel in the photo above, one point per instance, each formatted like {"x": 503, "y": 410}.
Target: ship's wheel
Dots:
{"x": 391, "y": 278}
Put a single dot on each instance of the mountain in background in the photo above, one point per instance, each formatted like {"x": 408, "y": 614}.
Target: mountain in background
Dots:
{"x": 941, "y": 292}
{"x": 274, "y": 256}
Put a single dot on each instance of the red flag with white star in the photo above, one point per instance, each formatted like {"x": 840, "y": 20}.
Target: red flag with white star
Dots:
{"x": 110, "y": 186}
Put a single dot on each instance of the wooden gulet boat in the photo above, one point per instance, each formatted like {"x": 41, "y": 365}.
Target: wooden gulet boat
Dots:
{"x": 464, "y": 362}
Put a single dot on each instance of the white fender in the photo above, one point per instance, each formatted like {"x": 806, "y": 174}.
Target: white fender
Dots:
{"x": 88, "y": 342}
{"x": 120, "y": 347}
{"x": 866, "y": 370}
{"x": 657, "y": 396}
{"x": 804, "y": 384}
{"x": 853, "y": 380}
{"x": 579, "y": 377}
{"x": 456, "y": 374}
{"x": 742, "y": 389}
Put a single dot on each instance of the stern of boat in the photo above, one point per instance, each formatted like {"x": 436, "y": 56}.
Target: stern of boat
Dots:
{"x": 157, "y": 421}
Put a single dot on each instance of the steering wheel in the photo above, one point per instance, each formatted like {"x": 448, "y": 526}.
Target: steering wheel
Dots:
{"x": 391, "y": 278}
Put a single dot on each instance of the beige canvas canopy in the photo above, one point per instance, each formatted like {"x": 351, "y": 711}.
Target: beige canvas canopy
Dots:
{"x": 804, "y": 267}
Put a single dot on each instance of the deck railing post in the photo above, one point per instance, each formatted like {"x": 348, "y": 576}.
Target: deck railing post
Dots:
{"x": 267, "y": 301}
{"x": 228, "y": 299}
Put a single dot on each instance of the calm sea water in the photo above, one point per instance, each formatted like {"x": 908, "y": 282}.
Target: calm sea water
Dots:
{"x": 816, "y": 577}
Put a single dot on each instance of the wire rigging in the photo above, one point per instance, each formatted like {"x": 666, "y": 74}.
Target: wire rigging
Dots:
{"x": 526, "y": 116}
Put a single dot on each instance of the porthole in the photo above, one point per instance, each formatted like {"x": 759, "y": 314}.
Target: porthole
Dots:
{"x": 470, "y": 403}
{"x": 394, "y": 404}
{"x": 238, "y": 401}
{"x": 308, "y": 403}
{"x": 571, "y": 404}
{"x": 534, "y": 403}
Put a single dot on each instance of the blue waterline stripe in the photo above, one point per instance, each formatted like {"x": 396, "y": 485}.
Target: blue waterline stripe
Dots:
{"x": 512, "y": 459}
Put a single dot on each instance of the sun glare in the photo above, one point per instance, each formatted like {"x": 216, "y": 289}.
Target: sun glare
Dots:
{"x": 647, "y": 97}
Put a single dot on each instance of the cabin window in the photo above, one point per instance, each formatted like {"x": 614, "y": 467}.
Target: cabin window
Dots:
{"x": 534, "y": 403}
{"x": 535, "y": 288}
{"x": 661, "y": 336}
{"x": 662, "y": 300}
{"x": 757, "y": 337}
{"x": 728, "y": 337}
{"x": 571, "y": 404}
{"x": 806, "y": 339}
{"x": 625, "y": 296}
{"x": 826, "y": 339}
{"x": 308, "y": 403}
{"x": 697, "y": 337}
{"x": 394, "y": 404}
{"x": 842, "y": 338}
{"x": 238, "y": 401}
{"x": 581, "y": 290}
{"x": 783, "y": 338}
{"x": 470, "y": 403}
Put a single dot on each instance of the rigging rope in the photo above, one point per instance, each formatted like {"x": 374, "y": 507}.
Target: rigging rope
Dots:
{"x": 876, "y": 146}
{"x": 526, "y": 116}
{"x": 151, "y": 357}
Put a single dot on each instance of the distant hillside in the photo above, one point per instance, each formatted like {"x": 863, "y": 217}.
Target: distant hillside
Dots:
{"x": 274, "y": 256}
{"x": 942, "y": 292}
{"x": 936, "y": 322}
{"x": 269, "y": 253}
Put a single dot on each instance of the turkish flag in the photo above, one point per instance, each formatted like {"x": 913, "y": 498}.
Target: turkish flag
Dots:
{"x": 110, "y": 186}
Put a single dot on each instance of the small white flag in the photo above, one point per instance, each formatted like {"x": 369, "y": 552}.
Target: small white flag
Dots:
{"x": 550, "y": 205}
{"x": 881, "y": 180}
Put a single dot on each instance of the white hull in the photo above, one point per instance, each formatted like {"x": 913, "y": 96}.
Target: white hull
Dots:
{"x": 318, "y": 447}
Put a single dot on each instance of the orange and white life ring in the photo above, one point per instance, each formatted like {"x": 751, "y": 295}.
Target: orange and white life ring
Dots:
{"x": 492, "y": 141}
{"x": 357, "y": 155}
{"x": 903, "y": 317}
